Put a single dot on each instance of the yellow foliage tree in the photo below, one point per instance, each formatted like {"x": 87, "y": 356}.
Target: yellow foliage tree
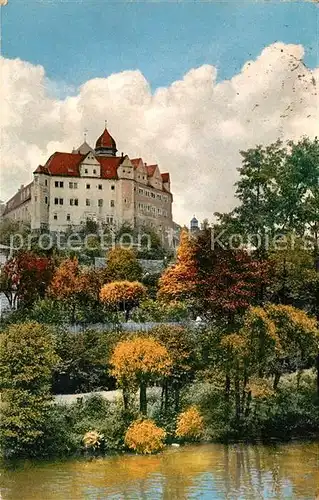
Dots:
{"x": 145, "y": 437}
{"x": 179, "y": 281}
{"x": 135, "y": 361}
{"x": 122, "y": 295}
{"x": 190, "y": 424}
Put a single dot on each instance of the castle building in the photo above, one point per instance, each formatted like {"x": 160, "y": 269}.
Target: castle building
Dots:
{"x": 94, "y": 184}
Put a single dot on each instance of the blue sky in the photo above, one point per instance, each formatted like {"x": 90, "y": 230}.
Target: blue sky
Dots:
{"x": 79, "y": 40}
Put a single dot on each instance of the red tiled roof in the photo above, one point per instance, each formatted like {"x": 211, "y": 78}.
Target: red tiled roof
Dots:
{"x": 150, "y": 170}
{"x": 68, "y": 164}
{"x": 109, "y": 166}
{"x": 136, "y": 162}
{"x": 105, "y": 141}
{"x": 165, "y": 177}
{"x": 64, "y": 164}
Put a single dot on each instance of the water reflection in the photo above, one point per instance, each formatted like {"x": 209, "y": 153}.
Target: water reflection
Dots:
{"x": 245, "y": 472}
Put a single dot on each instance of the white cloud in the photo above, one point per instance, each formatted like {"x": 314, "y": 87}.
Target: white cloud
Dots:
{"x": 194, "y": 128}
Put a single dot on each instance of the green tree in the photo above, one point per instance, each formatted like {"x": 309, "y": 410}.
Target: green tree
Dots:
{"x": 122, "y": 265}
{"x": 27, "y": 358}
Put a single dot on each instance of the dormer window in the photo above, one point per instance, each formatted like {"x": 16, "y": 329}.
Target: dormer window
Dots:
{"x": 86, "y": 171}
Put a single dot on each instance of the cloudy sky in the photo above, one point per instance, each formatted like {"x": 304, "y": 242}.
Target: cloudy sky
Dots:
{"x": 185, "y": 84}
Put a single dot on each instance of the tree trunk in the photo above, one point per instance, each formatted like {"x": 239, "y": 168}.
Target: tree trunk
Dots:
{"x": 248, "y": 401}
{"x": 227, "y": 388}
{"x": 237, "y": 399}
{"x": 125, "y": 397}
{"x": 127, "y": 314}
{"x": 166, "y": 397}
{"x": 176, "y": 395}
{"x": 143, "y": 398}
{"x": 276, "y": 381}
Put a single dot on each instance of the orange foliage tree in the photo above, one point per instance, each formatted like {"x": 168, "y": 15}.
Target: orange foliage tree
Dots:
{"x": 135, "y": 362}
{"x": 122, "y": 295}
{"x": 145, "y": 437}
{"x": 190, "y": 424}
{"x": 179, "y": 281}
{"x": 74, "y": 285}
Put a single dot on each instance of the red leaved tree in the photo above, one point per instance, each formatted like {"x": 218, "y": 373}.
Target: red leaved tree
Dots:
{"x": 25, "y": 277}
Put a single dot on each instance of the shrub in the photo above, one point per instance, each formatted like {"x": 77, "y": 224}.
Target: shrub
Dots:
{"x": 145, "y": 437}
{"x": 92, "y": 439}
{"x": 190, "y": 424}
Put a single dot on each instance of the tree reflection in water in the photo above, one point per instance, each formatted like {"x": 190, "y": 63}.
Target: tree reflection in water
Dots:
{"x": 203, "y": 471}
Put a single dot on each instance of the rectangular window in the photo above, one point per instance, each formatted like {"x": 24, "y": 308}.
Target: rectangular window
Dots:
{"x": 61, "y": 201}
{"x": 88, "y": 202}
{"x": 76, "y": 202}
{"x": 46, "y": 182}
{"x": 55, "y": 217}
{"x": 86, "y": 171}
{"x": 56, "y": 201}
{"x": 112, "y": 187}
{"x": 94, "y": 171}
{"x": 112, "y": 203}
{"x": 75, "y": 185}
{"x": 100, "y": 186}
{"x": 153, "y": 195}
{"x": 56, "y": 183}
{"x": 35, "y": 198}
{"x": 61, "y": 184}
{"x": 140, "y": 191}
{"x": 71, "y": 202}
{"x": 100, "y": 203}
{"x": 88, "y": 186}
{"x": 46, "y": 200}
{"x": 71, "y": 185}
{"x": 68, "y": 217}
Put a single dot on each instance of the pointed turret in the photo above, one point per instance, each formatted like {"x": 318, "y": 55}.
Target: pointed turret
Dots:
{"x": 105, "y": 145}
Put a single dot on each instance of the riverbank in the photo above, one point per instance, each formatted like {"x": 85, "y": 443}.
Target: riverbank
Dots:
{"x": 209, "y": 471}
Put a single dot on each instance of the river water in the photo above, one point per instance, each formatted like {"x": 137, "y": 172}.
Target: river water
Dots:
{"x": 212, "y": 471}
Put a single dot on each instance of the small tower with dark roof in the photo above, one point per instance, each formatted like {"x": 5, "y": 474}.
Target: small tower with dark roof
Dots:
{"x": 105, "y": 145}
{"x": 194, "y": 227}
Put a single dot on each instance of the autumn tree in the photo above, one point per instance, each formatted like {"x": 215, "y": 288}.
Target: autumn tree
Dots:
{"x": 122, "y": 295}
{"x": 179, "y": 281}
{"x": 27, "y": 358}
{"x": 180, "y": 346}
{"x": 298, "y": 339}
{"x": 135, "y": 362}
{"x": 76, "y": 287}
{"x": 122, "y": 265}
{"x": 25, "y": 277}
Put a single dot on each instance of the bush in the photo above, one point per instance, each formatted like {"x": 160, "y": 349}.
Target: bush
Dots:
{"x": 106, "y": 418}
{"x": 291, "y": 411}
{"x": 84, "y": 361}
{"x": 190, "y": 424}
{"x": 153, "y": 310}
{"x": 92, "y": 439}
{"x": 143, "y": 436}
